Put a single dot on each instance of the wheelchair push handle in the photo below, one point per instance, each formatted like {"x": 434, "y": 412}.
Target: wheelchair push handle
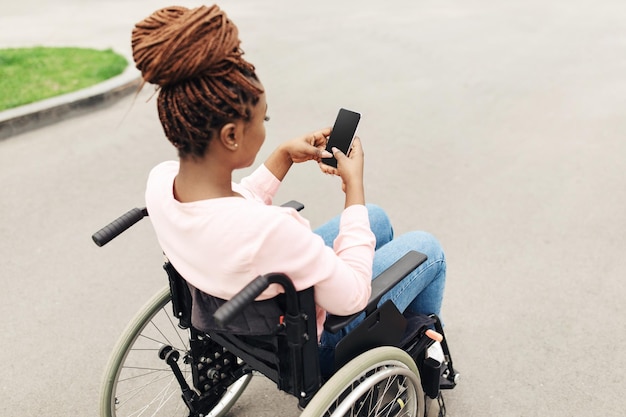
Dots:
{"x": 118, "y": 226}
{"x": 250, "y": 292}
{"x": 125, "y": 221}
{"x": 238, "y": 303}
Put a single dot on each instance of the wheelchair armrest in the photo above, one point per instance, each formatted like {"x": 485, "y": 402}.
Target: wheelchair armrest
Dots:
{"x": 296, "y": 205}
{"x": 380, "y": 286}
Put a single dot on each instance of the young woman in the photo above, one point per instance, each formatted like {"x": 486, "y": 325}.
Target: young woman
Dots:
{"x": 220, "y": 235}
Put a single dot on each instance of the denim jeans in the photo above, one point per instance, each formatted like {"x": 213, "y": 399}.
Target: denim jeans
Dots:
{"x": 420, "y": 292}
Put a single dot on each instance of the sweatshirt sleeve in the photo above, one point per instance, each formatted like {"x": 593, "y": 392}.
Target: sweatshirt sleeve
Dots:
{"x": 341, "y": 277}
{"x": 261, "y": 185}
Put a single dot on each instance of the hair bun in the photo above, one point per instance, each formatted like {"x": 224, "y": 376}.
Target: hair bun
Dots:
{"x": 176, "y": 43}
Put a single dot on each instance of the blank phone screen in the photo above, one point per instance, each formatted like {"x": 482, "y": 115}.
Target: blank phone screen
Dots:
{"x": 342, "y": 134}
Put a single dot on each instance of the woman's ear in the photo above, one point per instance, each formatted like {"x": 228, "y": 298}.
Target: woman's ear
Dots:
{"x": 229, "y": 136}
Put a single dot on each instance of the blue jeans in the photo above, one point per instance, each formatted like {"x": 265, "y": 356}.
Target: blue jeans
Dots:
{"x": 419, "y": 292}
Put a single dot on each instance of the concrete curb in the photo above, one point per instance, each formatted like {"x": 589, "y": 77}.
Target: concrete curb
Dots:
{"x": 42, "y": 113}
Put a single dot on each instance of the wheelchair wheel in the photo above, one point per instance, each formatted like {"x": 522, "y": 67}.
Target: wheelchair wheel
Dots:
{"x": 381, "y": 382}
{"x": 138, "y": 383}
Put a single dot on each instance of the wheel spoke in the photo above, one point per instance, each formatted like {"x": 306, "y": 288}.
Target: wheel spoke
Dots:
{"x": 140, "y": 384}
{"x": 163, "y": 374}
{"x": 185, "y": 346}
{"x": 151, "y": 371}
{"x": 134, "y": 392}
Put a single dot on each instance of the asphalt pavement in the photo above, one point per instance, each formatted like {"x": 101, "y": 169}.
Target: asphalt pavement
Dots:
{"x": 497, "y": 126}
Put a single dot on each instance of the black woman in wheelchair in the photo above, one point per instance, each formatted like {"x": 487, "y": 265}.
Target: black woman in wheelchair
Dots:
{"x": 219, "y": 235}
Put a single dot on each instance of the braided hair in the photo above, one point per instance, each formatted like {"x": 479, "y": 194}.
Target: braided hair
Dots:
{"x": 193, "y": 56}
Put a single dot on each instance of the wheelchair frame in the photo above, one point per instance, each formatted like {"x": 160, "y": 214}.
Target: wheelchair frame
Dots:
{"x": 219, "y": 359}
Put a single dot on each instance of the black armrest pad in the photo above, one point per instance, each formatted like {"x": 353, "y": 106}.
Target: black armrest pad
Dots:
{"x": 380, "y": 286}
{"x": 298, "y": 206}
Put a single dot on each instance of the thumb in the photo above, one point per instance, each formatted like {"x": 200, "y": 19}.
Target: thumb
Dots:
{"x": 315, "y": 152}
{"x": 325, "y": 154}
{"x": 321, "y": 153}
{"x": 338, "y": 154}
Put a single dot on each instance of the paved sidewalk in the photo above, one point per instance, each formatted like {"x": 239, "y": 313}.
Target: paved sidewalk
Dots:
{"x": 498, "y": 127}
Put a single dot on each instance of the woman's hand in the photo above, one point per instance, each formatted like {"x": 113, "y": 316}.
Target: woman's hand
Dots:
{"x": 350, "y": 169}
{"x": 308, "y": 147}
{"x": 302, "y": 149}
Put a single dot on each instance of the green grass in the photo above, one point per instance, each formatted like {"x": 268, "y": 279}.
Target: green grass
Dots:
{"x": 32, "y": 74}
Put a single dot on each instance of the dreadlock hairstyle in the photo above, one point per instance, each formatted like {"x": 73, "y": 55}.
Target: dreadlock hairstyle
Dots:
{"x": 193, "y": 56}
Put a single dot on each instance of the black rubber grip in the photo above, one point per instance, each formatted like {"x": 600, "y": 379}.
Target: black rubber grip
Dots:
{"x": 235, "y": 305}
{"x": 118, "y": 226}
{"x": 298, "y": 206}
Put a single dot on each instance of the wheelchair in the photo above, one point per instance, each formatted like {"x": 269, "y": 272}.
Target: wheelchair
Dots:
{"x": 187, "y": 353}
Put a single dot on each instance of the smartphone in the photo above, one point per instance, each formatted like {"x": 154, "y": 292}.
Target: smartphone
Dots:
{"x": 342, "y": 134}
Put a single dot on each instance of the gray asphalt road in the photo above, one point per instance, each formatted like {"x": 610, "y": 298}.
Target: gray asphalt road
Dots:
{"x": 497, "y": 126}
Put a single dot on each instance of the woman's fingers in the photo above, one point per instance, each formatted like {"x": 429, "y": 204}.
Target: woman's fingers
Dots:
{"x": 327, "y": 169}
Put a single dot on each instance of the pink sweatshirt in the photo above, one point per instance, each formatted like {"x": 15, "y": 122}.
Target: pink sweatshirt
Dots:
{"x": 220, "y": 245}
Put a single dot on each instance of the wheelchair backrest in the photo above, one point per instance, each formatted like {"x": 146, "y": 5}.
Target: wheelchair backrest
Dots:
{"x": 259, "y": 318}
{"x": 282, "y": 347}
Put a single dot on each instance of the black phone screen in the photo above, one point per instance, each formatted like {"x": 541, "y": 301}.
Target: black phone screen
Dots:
{"x": 342, "y": 134}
